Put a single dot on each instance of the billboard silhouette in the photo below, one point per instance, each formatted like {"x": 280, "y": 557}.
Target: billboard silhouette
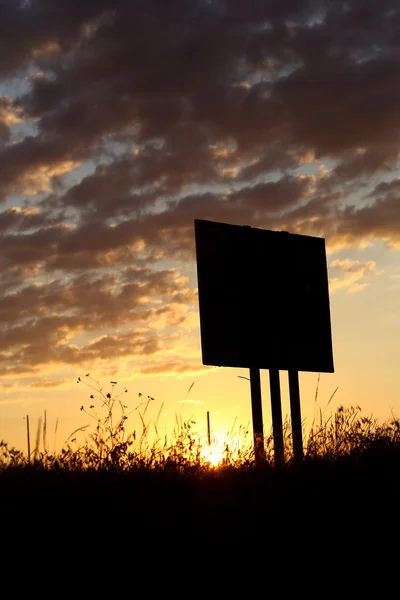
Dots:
{"x": 263, "y": 298}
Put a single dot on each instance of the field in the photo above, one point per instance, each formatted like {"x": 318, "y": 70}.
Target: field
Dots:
{"x": 117, "y": 487}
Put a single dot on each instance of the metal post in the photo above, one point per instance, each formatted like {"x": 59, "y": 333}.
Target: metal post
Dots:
{"x": 276, "y": 409}
{"x": 208, "y": 428}
{"x": 295, "y": 411}
{"x": 256, "y": 406}
{"x": 29, "y": 437}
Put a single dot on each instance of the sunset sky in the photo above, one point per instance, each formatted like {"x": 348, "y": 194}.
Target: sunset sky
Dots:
{"x": 123, "y": 121}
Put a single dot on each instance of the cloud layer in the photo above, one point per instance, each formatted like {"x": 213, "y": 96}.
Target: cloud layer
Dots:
{"x": 121, "y": 122}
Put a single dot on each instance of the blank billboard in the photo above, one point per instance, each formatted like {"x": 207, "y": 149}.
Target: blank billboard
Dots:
{"x": 263, "y": 298}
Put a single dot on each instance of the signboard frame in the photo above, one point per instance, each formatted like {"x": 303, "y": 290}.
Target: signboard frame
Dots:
{"x": 263, "y": 298}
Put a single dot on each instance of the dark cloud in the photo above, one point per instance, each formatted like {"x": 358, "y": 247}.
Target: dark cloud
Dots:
{"x": 33, "y": 358}
{"x": 95, "y": 302}
{"x": 386, "y": 189}
{"x": 381, "y": 220}
{"x": 29, "y": 28}
{"x": 179, "y": 72}
{"x": 16, "y": 219}
{"x": 343, "y": 106}
{"x": 38, "y": 322}
{"x": 133, "y": 118}
{"x": 115, "y": 182}
{"x": 271, "y": 197}
{"x": 160, "y": 69}
{"x": 365, "y": 163}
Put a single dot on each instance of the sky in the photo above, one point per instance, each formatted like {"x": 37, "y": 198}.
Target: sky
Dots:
{"x": 120, "y": 123}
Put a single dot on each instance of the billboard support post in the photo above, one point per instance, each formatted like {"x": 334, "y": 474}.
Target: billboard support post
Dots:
{"x": 256, "y": 409}
{"x": 276, "y": 409}
{"x": 295, "y": 412}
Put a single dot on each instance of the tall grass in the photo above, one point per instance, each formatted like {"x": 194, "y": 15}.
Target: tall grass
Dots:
{"x": 110, "y": 445}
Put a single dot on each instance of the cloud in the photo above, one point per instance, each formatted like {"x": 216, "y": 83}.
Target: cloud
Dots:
{"x": 9, "y": 115}
{"x": 188, "y": 86}
{"x": 352, "y": 274}
{"x": 24, "y": 352}
{"x": 39, "y": 322}
{"x": 46, "y": 384}
{"x": 179, "y": 367}
{"x": 122, "y": 122}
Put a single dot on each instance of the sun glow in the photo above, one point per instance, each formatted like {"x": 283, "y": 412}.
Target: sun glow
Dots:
{"x": 213, "y": 453}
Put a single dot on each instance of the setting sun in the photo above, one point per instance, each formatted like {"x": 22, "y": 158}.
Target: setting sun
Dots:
{"x": 213, "y": 453}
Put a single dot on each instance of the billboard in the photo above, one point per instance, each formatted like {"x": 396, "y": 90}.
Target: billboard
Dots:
{"x": 263, "y": 298}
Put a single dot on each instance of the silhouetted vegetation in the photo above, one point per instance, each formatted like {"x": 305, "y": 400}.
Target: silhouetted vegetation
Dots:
{"x": 351, "y": 467}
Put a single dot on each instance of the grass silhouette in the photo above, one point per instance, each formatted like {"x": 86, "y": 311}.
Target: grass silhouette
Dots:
{"x": 346, "y": 435}
{"x": 121, "y": 482}
{"x": 124, "y": 495}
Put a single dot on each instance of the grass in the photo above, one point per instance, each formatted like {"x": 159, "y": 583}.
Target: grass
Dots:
{"x": 345, "y": 435}
{"x": 111, "y": 478}
{"x": 112, "y": 444}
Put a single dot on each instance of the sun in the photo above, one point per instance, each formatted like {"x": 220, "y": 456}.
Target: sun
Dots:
{"x": 213, "y": 453}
